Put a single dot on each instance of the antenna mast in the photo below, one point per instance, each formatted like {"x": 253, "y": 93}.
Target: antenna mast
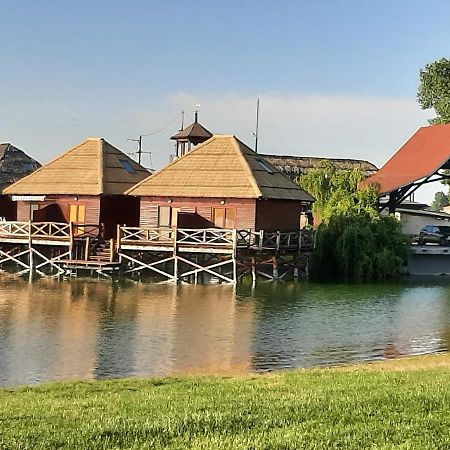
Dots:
{"x": 257, "y": 126}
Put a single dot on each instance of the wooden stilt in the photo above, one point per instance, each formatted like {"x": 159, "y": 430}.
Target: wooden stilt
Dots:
{"x": 275, "y": 268}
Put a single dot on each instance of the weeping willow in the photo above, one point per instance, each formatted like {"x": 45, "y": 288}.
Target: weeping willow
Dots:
{"x": 352, "y": 241}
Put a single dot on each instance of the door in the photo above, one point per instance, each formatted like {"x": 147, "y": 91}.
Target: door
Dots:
{"x": 77, "y": 214}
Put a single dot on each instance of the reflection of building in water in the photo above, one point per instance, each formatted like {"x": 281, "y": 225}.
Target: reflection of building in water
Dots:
{"x": 51, "y": 330}
{"x": 155, "y": 323}
{"x": 116, "y": 335}
{"x": 212, "y": 332}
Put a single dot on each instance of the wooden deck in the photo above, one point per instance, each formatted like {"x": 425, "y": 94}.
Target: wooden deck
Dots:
{"x": 173, "y": 253}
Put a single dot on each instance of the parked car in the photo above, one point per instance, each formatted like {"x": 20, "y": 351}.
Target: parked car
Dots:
{"x": 435, "y": 234}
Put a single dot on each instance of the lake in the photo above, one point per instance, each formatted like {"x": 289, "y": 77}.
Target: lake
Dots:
{"x": 89, "y": 329}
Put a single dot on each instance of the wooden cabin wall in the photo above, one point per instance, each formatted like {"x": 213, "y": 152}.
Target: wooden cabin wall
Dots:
{"x": 278, "y": 215}
{"x": 8, "y": 208}
{"x": 118, "y": 209}
{"x": 201, "y": 208}
{"x": 91, "y": 203}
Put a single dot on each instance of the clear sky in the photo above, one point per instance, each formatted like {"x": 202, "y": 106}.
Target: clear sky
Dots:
{"x": 335, "y": 78}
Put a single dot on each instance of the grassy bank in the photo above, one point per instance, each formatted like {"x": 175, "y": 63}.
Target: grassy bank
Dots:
{"x": 396, "y": 404}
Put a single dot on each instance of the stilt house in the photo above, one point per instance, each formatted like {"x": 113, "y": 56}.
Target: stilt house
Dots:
{"x": 85, "y": 185}
{"x": 14, "y": 165}
{"x": 221, "y": 183}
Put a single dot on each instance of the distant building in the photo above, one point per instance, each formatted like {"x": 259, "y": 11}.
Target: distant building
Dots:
{"x": 295, "y": 166}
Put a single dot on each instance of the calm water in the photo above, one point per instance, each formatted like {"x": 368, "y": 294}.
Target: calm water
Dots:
{"x": 51, "y": 330}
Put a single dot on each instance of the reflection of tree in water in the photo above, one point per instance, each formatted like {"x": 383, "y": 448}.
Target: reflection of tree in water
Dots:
{"x": 312, "y": 324}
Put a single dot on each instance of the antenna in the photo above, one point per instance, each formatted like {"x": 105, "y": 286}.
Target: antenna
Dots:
{"x": 255, "y": 134}
{"x": 139, "y": 152}
{"x": 196, "y": 109}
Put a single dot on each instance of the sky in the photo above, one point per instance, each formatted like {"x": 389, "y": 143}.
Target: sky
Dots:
{"x": 334, "y": 78}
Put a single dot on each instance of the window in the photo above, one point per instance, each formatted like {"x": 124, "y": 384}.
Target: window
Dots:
{"x": 127, "y": 165}
{"x": 27, "y": 166}
{"x": 33, "y": 208}
{"x": 167, "y": 216}
{"x": 266, "y": 167}
{"x": 164, "y": 216}
{"x": 224, "y": 217}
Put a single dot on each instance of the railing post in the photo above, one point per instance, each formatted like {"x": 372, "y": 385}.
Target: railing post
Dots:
{"x": 261, "y": 238}
{"x": 71, "y": 240}
{"x": 277, "y": 245}
{"x": 118, "y": 236}
{"x": 86, "y": 248}
{"x": 111, "y": 250}
{"x": 30, "y": 247}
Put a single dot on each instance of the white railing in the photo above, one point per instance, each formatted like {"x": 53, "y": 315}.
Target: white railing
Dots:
{"x": 146, "y": 235}
{"x": 207, "y": 237}
{"x": 35, "y": 230}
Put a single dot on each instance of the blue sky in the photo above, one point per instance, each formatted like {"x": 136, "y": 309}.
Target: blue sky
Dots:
{"x": 335, "y": 78}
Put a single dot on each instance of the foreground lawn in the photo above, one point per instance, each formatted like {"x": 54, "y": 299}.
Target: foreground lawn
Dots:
{"x": 398, "y": 404}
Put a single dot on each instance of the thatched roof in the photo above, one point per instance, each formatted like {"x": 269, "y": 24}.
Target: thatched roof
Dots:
{"x": 294, "y": 166}
{"x": 14, "y": 164}
{"x": 222, "y": 166}
{"x": 93, "y": 167}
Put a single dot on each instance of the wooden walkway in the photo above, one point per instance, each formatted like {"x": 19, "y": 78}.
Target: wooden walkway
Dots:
{"x": 193, "y": 255}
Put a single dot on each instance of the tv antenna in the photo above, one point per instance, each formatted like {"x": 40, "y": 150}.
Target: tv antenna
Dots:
{"x": 255, "y": 134}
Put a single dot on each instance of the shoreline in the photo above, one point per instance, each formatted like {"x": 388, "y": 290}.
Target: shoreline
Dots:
{"x": 387, "y": 404}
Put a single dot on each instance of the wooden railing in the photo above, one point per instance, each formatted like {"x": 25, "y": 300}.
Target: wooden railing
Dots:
{"x": 275, "y": 240}
{"x": 35, "y": 230}
{"x": 145, "y": 235}
{"x": 87, "y": 230}
{"x": 207, "y": 237}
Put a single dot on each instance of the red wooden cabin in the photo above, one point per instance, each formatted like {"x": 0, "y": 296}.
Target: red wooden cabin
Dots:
{"x": 221, "y": 183}
{"x": 84, "y": 185}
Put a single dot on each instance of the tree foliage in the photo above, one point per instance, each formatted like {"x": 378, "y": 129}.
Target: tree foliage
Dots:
{"x": 434, "y": 90}
{"x": 440, "y": 200}
{"x": 352, "y": 240}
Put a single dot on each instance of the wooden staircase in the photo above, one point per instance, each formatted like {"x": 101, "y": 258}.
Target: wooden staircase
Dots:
{"x": 103, "y": 252}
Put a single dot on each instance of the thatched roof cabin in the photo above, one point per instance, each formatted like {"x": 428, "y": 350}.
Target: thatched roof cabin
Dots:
{"x": 84, "y": 185}
{"x": 295, "y": 166}
{"x": 14, "y": 164}
{"x": 221, "y": 178}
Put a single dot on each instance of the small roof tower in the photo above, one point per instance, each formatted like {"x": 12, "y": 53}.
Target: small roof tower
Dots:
{"x": 190, "y": 136}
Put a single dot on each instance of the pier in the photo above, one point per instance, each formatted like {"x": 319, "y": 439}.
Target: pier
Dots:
{"x": 166, "y": 254}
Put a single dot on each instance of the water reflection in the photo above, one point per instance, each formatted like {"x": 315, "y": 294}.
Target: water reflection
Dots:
{"x": 53, "y": 330}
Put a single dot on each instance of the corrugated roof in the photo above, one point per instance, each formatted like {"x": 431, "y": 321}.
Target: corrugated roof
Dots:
{"x": 423, "y": 154}
{"x": 14, "y": 164}
{"x": 93, "y": 167}
{"x": 222, "y": 166}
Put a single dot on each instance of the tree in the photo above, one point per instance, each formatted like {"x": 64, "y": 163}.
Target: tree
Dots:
{"x": 434, "y": 90}
{"x": 440, "y": 200}
{"x": 352, "y": 240}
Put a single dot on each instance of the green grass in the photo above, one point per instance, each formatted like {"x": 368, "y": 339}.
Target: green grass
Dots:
{"x": 393, "y": 405}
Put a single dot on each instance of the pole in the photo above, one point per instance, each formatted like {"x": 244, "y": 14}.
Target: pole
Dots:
{"x": 257, "y": 126}
{"x": 140, "y": 149}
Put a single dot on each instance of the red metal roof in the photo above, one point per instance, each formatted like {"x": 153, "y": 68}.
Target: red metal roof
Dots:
{"x": 426, "y": 151}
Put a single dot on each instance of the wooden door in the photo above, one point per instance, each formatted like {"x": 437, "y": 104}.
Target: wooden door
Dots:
{"x": 77, "y": 215}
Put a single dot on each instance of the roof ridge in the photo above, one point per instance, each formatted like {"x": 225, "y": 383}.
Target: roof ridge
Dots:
{"x": 247, "y": 168}
{"x": 102, "y": 168}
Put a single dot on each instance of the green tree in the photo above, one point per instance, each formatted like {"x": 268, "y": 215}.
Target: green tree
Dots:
{"x": 434, "y": 90}
{"x": 352, "y": 240}
{"x": 440, "y": 200}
